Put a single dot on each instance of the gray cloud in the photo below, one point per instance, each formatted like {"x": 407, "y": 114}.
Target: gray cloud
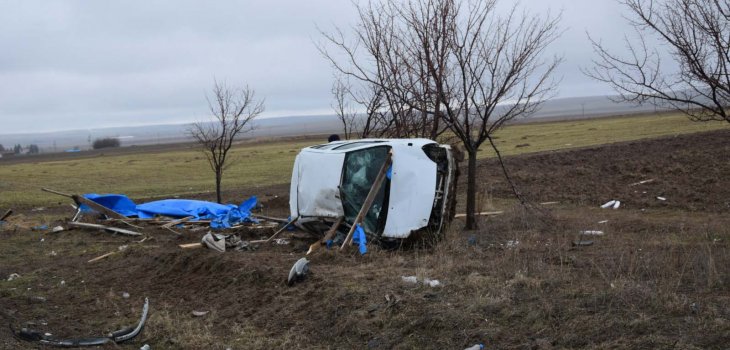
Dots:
{"x": 81, "y": 64}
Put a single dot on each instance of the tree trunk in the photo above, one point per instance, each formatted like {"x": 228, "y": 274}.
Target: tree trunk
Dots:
{"x": 471, "y": 191}
{"x": 218, "y": 177}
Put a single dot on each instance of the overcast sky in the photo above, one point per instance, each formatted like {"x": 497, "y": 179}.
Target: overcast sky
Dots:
{"x": 91, "y": 64}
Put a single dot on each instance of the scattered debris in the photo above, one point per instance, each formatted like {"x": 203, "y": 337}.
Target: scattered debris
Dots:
{"x": 200, "y": 313}
{"x": 125, "y": 295}
{"x": 298, "y": 271}
{"x": 145, "y": 347}
{"x": 592, "y": 233}
{"x": 281, "y": 241}
{"x": 603, "y": 221}
{"x": 63, "y": 283}
{"x": 57, "y": 229}
{"x": 642, "y": 182}
{"x": 116, "y": 337}
{"x": 426, "y": 281}
{"x": 512, "y": 243}
{"x": 53, "y": 253}
{"x": 13, "y": 276}
{"x": 661, "y": 198}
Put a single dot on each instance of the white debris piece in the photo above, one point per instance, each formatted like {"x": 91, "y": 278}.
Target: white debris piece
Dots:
{"x": 426, "y": 281}
{"x": 431, "y": 283}
{"x": 125, "y": 295}
{"x": 200, "y": 313}
{"x": 512, "y": 244}
{"x": 57, "y": 229}
{"x": 661, "y": 198}
{"x": 409, "y": 279}
{"x": 281, "y": 241}
{"x": 608, "y": 204}
{"x": 616, "y": 204}
{"x": 603, "y": 221}
{"x": 13, "y": 276}
{"x": 592, "y": 233}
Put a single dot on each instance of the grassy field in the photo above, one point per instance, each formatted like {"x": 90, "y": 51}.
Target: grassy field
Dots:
{"x": 185, "y": 171}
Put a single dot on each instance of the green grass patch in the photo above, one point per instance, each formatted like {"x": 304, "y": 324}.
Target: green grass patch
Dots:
{"x": 185, "y": 172}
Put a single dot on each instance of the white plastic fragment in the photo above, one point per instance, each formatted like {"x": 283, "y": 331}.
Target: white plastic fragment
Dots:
{"x": 63, "y": 283}
{"x": 592, "y": 233}
{"x": 426, "y": 281}
{"x": 13, "y": 276}
{"x": 145, "y": 347}
{"x": 661, "y": 198}
{"x": 281, "y": 241}
{"x": 603, "y": 221}
{"x": 57, "y": 229}
{"x": 512, "y": 244}
{"x": 199, "y": 313}
{"x": 616, "y": 204}
{"x": 409, "y": 279}
{"x": 431, "y": 283}
{"x": 125, "y": 295}
{"x": 608, "y": 204}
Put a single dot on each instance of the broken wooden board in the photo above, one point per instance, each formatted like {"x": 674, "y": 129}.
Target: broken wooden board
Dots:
{"x": 487, "y": 213}
{"x": 106, "y": 228}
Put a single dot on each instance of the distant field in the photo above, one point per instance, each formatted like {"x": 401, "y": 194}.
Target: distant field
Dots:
{"x": 186, "y": 172}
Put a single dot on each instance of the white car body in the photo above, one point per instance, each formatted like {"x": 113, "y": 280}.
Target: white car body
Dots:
{"x": 328, "y": 181}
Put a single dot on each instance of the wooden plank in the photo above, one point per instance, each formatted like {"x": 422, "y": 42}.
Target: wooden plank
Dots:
{"x": 369, "y": 199}
{"x": 102, "y": 256}
{"x": 486, "y": 213}
{"x": 98, "y": 207}
{"x": 102, "y": 227}
{"x": 7, "y": 213}
{"x": 327, "y": 236}
{"x": 56, "y": 192}
{"x": 177, "y": 222}
{"x": 269, "y": 218}
{"x": 191, "y": 245}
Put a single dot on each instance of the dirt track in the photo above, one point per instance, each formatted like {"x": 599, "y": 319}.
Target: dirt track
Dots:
{"x": 658, "y": 278}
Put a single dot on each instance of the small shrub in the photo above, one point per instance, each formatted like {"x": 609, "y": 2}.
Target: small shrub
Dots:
{"x": 106, "y": 143}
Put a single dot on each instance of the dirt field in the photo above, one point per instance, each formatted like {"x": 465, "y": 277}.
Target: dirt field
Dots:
{"x": 657, "y": 278}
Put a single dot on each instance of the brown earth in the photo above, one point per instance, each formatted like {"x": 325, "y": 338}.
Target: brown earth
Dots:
{"x": 657, "y": 278}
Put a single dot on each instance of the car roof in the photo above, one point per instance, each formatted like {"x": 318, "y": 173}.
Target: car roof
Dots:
{"x": 351, "y": 145}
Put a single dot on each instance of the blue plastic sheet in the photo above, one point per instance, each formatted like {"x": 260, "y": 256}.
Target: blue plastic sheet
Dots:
{"x": 359, "y": 239}
{"x": 221, "y": 215}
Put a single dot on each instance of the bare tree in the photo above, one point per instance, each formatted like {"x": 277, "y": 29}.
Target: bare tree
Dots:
{"x": 696, "y": 34}
{"x": 453, "y": 64}
{"x": 344, "y": 109}
{"x": 232, "y": 111}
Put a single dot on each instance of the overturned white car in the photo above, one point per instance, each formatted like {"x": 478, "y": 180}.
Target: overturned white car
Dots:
{"x": 332, "y": 180}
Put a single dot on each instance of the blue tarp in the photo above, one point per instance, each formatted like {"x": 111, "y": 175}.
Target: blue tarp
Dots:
{"x": 359, "y": 239}
{"x": 221, "y": 215}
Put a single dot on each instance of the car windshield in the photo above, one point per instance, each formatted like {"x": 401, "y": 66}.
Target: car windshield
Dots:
{"x": 359, "y": 172}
